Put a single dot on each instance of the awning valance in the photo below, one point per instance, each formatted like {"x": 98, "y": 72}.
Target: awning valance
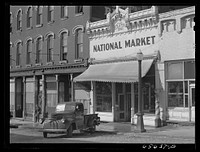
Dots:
{"x": 115, "y": 72}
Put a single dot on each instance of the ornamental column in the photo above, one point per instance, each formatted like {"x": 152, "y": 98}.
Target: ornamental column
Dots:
{"x": 43, "y": 96}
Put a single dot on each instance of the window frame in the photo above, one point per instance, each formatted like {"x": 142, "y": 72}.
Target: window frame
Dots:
{"x": 38, "y": 49}
{"x": 50, "y": 14}
{"x": 28, "y": 52}
{"x": 39, "y": 16}
{"x": 50, "y": 40}
{"x": 77, "y": 11}
{"x": 18, "y": 53}
{"x": 63, "y": 46}
{"x": 63, "y": 12}
{"x": 29, "y": 18}
{"x": 19, "y": 20}
{"x": 183, "y": 80}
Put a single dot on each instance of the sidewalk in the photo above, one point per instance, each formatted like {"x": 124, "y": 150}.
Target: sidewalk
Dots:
{"x": 124, "y": 128}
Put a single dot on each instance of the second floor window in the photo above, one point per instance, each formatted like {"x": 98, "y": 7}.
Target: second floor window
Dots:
{"x": 63, "y": 13}
{"x": 18, "y": 53}
{"x": 29, "y": 17}
{"x": 50, "y": 48}
{"x": 63, "y": 46}
{"x": 50, "y": 14}
{"x": 79, "y": 43}
{"x": 39, "y": 15}
{"x": 19, "y": 20}
{"x": 38, "y": 50}
{"x": 28, "y": 53}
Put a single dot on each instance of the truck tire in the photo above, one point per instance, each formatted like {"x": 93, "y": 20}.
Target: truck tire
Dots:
{"x": 93, "y": 128}
{"x": 45, "y": 134}
{"x": 69, "y": 131}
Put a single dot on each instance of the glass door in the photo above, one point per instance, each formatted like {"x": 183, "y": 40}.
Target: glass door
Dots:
{"x": 121, "y": 107}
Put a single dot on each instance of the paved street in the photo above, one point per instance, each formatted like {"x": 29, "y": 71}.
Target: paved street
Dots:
{"x": 25, "y": 135}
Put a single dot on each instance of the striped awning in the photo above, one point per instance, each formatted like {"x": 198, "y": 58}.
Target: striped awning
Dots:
{"x": 126, "y": 71}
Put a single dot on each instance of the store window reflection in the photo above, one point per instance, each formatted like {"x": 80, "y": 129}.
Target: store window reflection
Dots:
{"x": 175, "y": 94}
{"x": 104, "y": 97}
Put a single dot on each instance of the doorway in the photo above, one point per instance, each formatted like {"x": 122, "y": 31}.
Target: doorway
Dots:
{"x": 19, "y": 98}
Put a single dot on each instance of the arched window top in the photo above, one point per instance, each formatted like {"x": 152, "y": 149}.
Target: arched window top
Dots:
{"x": 49, "y": 34}
{"x": 38, "y": 37}
{"x": 29, "y": 11}
{"x": 18, "y": 42}
{"x": 63, "y": 31}
{"x": 76, "y": 28}
{"x": 28, "y": 39}
{"x": 19, "y": 13}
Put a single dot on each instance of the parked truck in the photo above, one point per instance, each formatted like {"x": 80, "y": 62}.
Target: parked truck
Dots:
{"x": 67, "y": 117}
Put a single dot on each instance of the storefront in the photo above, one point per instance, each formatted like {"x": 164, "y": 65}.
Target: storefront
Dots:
{"x": 167, "y": 42}
{"x": 113, "y": 70}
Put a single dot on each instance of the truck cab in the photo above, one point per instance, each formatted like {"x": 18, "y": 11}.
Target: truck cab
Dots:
{"x": 67, "y": 117}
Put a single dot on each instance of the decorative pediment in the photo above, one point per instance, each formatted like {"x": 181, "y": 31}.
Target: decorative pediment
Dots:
{"x": 120, "y": 21}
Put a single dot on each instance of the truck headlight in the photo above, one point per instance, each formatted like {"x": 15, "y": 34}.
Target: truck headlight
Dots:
{"x": 41, "y": 120}
{"x": 63, "y": 120}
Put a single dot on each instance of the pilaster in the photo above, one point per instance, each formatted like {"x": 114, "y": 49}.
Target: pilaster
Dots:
{"x": 24, "y": 97}
{"x": 113, "y": 100}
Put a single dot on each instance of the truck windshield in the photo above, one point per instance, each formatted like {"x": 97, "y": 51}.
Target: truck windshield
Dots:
{"x": 63, "y": 107}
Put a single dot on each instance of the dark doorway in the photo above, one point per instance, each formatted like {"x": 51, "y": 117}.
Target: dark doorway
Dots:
{"x": 19, "y": 98}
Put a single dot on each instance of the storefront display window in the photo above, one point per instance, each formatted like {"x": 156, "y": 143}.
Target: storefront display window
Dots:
{"x": 178, "y": 91}
{"x": 189, "y": 70}
{"x": 175, "y": 70}
{"x": 175, "y": 94}
{"x": 104, "y": 97}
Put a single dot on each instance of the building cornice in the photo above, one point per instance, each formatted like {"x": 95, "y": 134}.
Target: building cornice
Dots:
{"x": 131, "y": 21}
{"x": 178, "y": 12}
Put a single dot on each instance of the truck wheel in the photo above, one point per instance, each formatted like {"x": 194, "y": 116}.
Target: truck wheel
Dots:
{"x": 93, "y": 128}
{"x": 69, "y": 131}
{"x": 45, "y": 134}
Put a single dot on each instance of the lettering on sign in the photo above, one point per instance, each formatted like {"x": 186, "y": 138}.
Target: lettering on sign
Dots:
{"x": 143, "y": 41}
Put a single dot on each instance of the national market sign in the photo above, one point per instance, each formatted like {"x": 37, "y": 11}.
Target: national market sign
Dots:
{"x": 122, "y": 44}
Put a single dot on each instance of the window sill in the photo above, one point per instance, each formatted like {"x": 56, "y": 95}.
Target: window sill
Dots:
{"x": 50, "y": 63}
{"x": 29, "y": 28}
{"x": 38, "y": 64}
{"x": 64, "y": 18}
{"x": 18, "y": 66}
{"x": 39, "y": 25}
{"x": 79, "y": 14}
{"x": 78, "y": 60}
{"x": 63, "y": 62}
{"x": 19, "y": 31}
{"x": 50, "y": 22}
{"x": 29, "y": 65}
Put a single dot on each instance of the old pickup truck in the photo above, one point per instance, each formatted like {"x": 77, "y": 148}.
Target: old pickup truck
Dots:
{"x": 67, "y": 117}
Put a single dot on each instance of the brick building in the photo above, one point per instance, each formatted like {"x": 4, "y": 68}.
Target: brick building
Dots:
{"x": 48, "y": 48}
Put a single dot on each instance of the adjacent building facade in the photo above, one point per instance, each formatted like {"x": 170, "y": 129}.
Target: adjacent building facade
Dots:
{"x": 48, "y": 48}
{"x": 167, "y": 41}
